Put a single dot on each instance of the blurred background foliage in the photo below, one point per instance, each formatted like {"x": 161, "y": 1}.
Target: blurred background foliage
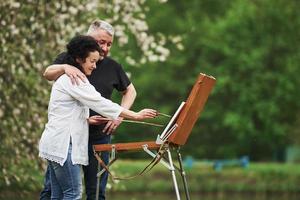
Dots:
{"x": 250, "y": 46}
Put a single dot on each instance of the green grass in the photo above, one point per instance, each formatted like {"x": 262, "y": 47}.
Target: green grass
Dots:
{"x": 257, "y": 177}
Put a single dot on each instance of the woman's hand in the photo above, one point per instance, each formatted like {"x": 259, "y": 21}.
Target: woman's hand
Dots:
{"x": 146, "y": 114}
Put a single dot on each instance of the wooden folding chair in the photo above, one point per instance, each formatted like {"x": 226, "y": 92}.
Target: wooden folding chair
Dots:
{"x": 180, "y": 131}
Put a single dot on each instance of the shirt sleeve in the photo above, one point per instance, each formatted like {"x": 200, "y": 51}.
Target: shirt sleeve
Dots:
{"x": 64, "y": 58}
{"x": 88, "y": 96}
{"x": 60, "y": 58}
{"x": 123, "y": 80}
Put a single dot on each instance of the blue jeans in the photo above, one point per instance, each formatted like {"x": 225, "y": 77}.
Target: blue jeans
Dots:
{"x": 65, "y": 180}
{"x": 90, "y": 171}
{"x": 46, "y": 192}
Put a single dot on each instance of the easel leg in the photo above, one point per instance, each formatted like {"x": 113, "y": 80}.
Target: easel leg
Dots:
{"x": 98, "y": 183}
{"x": 172, "y": 169}
{"x": 183, "y": 175}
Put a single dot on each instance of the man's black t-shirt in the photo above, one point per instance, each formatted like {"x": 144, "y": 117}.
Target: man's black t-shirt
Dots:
{"x": 107, "y": 76}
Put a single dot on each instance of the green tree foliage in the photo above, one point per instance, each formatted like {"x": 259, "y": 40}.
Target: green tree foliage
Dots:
{"x": 251, "y": 47}
{"x": 252, "y": 50}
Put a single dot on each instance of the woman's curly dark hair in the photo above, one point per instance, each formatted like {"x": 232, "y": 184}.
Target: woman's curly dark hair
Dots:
{"x": 79, "y": 47}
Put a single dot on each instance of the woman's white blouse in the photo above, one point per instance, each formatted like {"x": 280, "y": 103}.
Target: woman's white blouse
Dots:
{"x": 68, "y": 112}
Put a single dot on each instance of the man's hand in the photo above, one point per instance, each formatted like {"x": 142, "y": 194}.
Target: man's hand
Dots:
{"x": 74, "y": 73}
{"x": 112, "y": 125}
{"x": 96, "y": 120}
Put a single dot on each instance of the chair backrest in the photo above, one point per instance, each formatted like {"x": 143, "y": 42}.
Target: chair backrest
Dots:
{"x": 192, "y": 109}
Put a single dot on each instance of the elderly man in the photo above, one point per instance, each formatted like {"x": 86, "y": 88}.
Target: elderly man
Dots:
{"x": 107, "y": 76}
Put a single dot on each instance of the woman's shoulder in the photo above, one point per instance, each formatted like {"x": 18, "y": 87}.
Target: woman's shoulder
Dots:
{"x": 66, "y": 80}
{"x": 63, "y": 78}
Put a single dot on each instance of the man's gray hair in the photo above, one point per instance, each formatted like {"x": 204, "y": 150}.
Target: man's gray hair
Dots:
{"x": 100, "y": 24}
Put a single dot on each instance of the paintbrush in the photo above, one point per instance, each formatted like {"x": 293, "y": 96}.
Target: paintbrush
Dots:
{"x": 137, "y": 122}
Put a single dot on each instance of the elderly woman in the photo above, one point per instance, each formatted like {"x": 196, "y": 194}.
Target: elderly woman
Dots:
{"x": 64, "y": 142}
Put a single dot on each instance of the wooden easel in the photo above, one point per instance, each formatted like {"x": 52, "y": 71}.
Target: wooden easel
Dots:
{"x": 184, "y": 125}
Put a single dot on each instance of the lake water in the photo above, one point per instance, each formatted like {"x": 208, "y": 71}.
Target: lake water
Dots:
{"x": 242, "y": 196}
{"x": 151, "y": 196}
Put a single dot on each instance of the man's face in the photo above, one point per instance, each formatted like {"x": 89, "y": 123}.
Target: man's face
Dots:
{"x": 103, "y": 39}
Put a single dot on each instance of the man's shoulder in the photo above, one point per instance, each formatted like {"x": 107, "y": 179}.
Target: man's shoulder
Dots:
{"x": 62, "y": 55}
{"x": 110, "y": 61}
{"x": 61, "y": 58}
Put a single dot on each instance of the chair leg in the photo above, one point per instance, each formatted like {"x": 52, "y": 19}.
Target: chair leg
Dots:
{"x": 113, "y": 158}
{"x": 172, "y": 169}
{"x": 98, "y": 183}
{"x": 183, "y": 175}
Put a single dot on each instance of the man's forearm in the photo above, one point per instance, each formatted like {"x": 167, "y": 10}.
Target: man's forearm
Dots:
{"x": 127, "y": 100}
{"x": 52, "y": 72}
{"x": 128, "y": 97}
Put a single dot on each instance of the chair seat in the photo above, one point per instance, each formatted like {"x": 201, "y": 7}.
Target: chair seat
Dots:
{"x": 131, "y": 146}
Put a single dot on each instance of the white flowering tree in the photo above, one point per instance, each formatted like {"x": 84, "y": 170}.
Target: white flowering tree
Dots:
{"x": 32, "y": 33}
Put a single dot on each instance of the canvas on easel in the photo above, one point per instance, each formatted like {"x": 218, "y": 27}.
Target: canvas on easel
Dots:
{"x": 171, "y": 126}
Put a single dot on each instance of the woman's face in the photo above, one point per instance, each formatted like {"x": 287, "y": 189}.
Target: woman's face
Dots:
{"x": 90, "y": 62}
